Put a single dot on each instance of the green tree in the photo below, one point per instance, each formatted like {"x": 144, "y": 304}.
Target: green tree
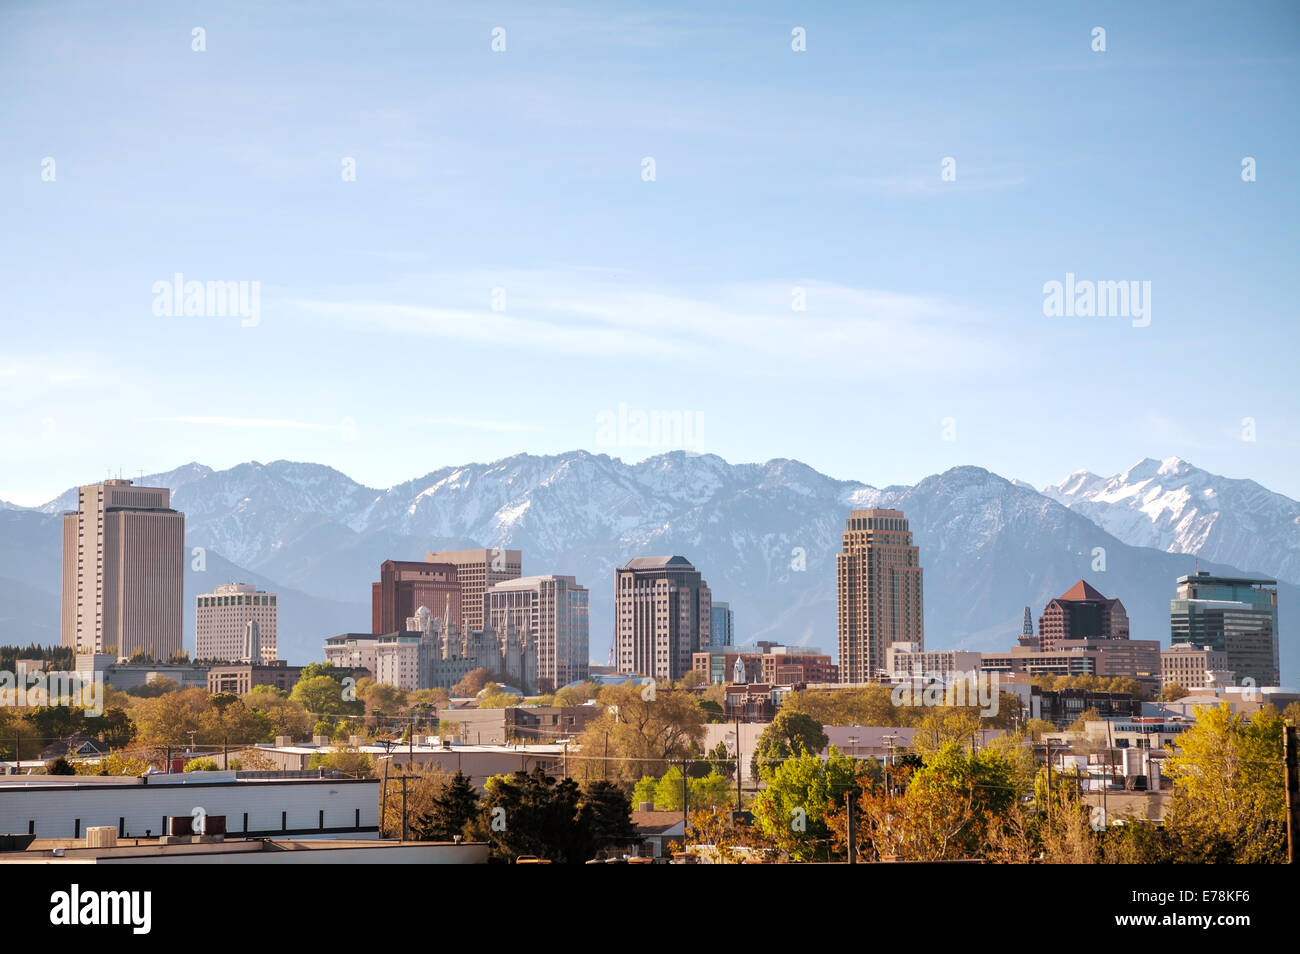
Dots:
{"x": 530, "y": 813}
{"x": 453, "y": 806}
{"x": 606, "y": 813}
{"x": 203, "y": 764}
{"x": 323, "y": 695}
{"x": 1172, "y": 692}
{"x": 802, "y": 792}
{"x": 59, "y": 766}
{"x": 789, "y": 733}
{"x": 1229, "y": 797}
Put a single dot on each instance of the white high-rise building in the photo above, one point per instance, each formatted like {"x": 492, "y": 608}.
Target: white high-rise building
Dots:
{"x": 221, "y": 618}
{"x": 550, "y": 612}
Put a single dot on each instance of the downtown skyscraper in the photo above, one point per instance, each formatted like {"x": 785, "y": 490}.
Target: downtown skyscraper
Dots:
{"x": 878, "y": 572}
{"x": 123, "y": 570}
{"x": 663, "y": 613}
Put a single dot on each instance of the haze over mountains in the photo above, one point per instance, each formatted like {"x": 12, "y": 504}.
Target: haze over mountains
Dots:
{"x": 764, "y": 535}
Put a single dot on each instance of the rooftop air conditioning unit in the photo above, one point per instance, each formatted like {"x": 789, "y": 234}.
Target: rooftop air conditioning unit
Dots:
{"x": 101, "y": 836}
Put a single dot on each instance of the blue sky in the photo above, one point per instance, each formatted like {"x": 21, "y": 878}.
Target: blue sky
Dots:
{"x": 377, "y": 349}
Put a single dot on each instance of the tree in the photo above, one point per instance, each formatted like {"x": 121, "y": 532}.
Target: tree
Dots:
{"x": 802, "y": 792}
{"x": 228, "y": 720}
{"x": 114, "y": 728}
{"x": 1035, "y": 728}
{"x": 576, "y": 695}
{"x": 1080, "y": 724}
{"x": 945, "y": 725}
{"x": 154, "y": 688}
{"x": 1172, "y": 692}
{"x": 170, "y": 718}
{"x": 59, "y": 766}
{"x": 452, "y": 806}
{"x": 646, "y": 731}
{"x": 1229, "y": 797}
{"x": 789, "y": 733}
{"x": 530, "y": 813}
{"x": 285, "y": 716}
{"x": 323, "y": 695}
{"x": 607, "y": 815}
{"x": 204, "y": 764}
{"x": 472, "y": 683}
{"x": 494, "y": 697}
{"x": 344, "y": 761}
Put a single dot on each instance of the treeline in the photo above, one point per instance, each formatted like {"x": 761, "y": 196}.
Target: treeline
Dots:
{"x": 524, "y": 813}
{"x": 62, "y": 658}
{"x": 948, "y": 800}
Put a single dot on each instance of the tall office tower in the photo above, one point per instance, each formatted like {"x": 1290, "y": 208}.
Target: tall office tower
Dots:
{"x": 220, "y": 618}
{"x": 406, "y": 585}
{"x": 723, "y": 625}
{"x": 1235, "y": 615}
{"x": 663, "y": 612}
{"x": 477, "y": 570}
{"x": 550, "y": 612}
{"x": 1081, "y": 613}
{"x": 880, "y": 599}
{"x": 123, "y": 570}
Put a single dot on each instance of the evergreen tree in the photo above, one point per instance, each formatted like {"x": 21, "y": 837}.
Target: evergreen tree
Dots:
{"x": 450, "y": 810}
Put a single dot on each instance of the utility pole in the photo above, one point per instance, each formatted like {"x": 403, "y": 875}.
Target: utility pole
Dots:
{"x": 686, "y": 820}
{"x": 740, "y": 804}
{"x": 383, "y": 799}
{"x": 405, "y": 830}
{"x": 1048, "y": 748}
{"x": 566, "y": 758}
{"x": 1290, "y": 759}
{"x": 852, "y": 827}
{"x": 604, "y": 769}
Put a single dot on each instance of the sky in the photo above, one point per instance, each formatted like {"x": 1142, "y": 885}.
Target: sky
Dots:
{"x": 838, "y": 254}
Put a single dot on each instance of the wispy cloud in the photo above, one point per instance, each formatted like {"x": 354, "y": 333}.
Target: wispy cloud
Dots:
{"x": 244, "y": 422}
{"x": 796, "y": 327}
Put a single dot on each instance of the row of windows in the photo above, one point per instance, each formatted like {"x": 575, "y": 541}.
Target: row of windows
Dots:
{"x": 259, "y": 599}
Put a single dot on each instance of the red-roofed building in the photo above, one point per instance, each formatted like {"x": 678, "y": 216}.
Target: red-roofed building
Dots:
{"x": 1081, "y": 612}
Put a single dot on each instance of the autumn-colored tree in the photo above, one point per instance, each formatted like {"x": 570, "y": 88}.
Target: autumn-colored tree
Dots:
{"x": 170, "y": 718}
{"x": 646, "y": 730}
{"x": 472, "y": 683}
{"x": 1172, "y": 692}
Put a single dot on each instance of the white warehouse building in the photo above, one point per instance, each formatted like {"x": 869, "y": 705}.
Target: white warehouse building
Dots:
{"x": 51, "y": 806}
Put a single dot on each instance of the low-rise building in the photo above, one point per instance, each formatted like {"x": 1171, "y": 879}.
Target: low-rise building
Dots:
{"x": 56, "y": 806}
{"x": 241, "y": 678}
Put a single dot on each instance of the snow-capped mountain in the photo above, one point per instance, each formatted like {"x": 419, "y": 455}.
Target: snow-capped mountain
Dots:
{"x": 765, "y": 537}
{"x": 1175, "y": 506}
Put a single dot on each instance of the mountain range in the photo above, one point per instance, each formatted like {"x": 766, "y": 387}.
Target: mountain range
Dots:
{"x": 764, "y": 536}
